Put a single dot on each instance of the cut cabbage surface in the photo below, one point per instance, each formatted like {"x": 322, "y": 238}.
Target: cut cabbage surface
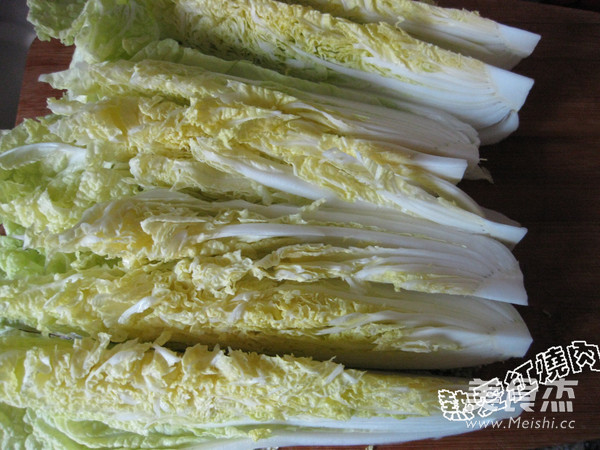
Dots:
{"x": 459, "y": 30}
{"x": 135, "y": 394}
{"x": 273, "y": 154}
{"x": 287, "y": 243}
{"x": 206, "y": 300}
{"x": 405, "y": 132}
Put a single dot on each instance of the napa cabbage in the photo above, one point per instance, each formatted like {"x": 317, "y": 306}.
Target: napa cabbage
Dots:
{"x": 192, "y": 245}
{"x": 291, "y": 243}
{"x": 281, "y": 152}
{"x": 459, "y": 30}
{"x": 215, "y": 398}
{"x": 301, "y": 41}
{"x": 404, "y": 132}
{"x": 226, "y": 299}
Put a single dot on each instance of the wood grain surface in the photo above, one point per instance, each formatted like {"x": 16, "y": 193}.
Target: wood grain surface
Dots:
{"x": 546, "y": 176}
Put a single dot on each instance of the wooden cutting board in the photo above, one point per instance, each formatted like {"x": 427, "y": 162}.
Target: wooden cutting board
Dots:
{"x": 547, "y": 176}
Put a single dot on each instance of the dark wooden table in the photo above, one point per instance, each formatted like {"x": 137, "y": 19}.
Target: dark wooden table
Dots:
{"x": 547, "y": 176}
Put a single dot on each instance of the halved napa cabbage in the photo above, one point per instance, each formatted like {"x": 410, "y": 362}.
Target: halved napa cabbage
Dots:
{"x": 282, "y": 152}
{"x": 459, "y": 30}
{"x": 230, "y": 300}
{"x": 150, "y": 394}
{"x": 292, "y": 243}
